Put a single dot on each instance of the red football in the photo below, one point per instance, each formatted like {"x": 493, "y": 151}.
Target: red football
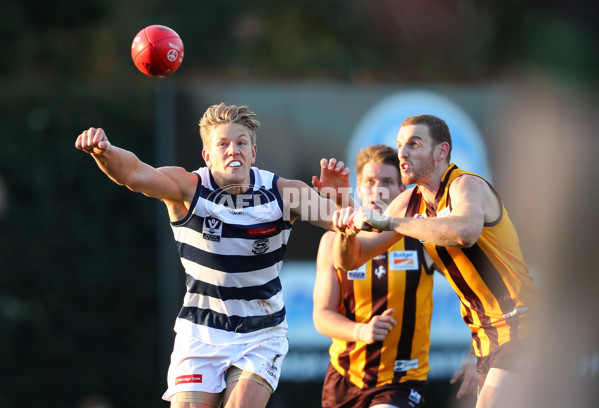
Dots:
{"x": 157, "y": 51}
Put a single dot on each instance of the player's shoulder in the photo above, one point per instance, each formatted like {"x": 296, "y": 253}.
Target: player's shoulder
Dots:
{"x": 469, "y": 182}
{"x": 397, "y": 207}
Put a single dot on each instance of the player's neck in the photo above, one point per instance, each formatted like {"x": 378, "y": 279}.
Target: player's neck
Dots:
{"x": 232, "y": 185}
{"x": 429, "y": 185}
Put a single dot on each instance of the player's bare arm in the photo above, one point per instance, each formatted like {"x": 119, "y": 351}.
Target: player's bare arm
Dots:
{"x": 125, "y": 168}
{"x": 303, "y": 202}
{"x": 469, "y": 197}
{"x": 327, "y": 297}
{"x": 473, "y": 204}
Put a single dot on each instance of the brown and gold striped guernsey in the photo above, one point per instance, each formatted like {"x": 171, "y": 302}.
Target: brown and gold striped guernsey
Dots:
{"x": 399, "y": 279}
{"x": 491, "y": 279}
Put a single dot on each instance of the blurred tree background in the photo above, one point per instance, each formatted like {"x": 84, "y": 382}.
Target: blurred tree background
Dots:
{"x": 78, "y": 276}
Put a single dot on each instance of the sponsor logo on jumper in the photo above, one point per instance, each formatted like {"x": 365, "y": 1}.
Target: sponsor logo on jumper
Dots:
{"x": 228, "y": 207}
{"x": 403, "y": 260}
{"x": 260, "y": 246}
{"x": 405, "y": 365}
{"x": 213, "y": 229}
{"x": 188, "y": 379}
{"x": 380, "y": 271}
{"x": 516, "y": 312}
{"x": 444, "y": 213}
{"x": 357, "y": 274}
{"x": 263, "y": 231}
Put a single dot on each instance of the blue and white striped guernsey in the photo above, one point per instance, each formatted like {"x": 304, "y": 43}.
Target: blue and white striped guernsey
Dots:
{"x": 232, "y": 247}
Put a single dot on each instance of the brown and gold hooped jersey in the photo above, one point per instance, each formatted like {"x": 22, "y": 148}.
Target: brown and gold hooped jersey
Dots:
{"x": 490, "y": 278}
{"x": 399, "y": 279}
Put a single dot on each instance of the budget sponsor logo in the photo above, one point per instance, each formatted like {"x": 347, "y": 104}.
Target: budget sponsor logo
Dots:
{"x": 403, "y": 260}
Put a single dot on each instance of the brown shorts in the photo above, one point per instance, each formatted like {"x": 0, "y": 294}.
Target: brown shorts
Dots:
{"x": 339, "y": 392}
{"x": 509, "y": 357}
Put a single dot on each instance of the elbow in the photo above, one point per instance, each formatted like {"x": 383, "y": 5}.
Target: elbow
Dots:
{"x": 318, "y": 322}
{"x": 346, "y": 264}
{"x": 467, "y": 238}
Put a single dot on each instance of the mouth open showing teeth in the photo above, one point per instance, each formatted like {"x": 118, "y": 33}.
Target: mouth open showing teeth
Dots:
{"x": 235, "y": 164}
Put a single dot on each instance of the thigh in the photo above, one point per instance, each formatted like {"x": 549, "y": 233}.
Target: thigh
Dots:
{"x": 247, "y": 391}
{"x": 196, "y": 399}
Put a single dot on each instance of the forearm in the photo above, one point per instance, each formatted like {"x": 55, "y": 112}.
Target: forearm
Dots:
{"x": 119, "y": 165}
{"x": 452, "y": 231}
{"x": 334, "y": 325}
{"x": 346, "y": 252}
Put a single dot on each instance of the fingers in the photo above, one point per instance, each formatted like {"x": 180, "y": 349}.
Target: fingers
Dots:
{"x": 334, "y": 165}
{"x": 457, "y": 375}
{"x": 93, "y": 140}
{"x": 316, "y": 182}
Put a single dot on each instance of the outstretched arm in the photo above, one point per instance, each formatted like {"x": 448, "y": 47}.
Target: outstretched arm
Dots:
{"x": 473, "y": 204}
{"x": 124, "y": 168}
{"x": 327, "y": 297}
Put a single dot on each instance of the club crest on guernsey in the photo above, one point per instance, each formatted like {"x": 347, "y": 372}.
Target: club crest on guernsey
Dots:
{"x": 260, "y": 246}
{"x": 256, "y": 204}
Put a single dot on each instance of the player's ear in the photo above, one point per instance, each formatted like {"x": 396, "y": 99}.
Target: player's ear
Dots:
{"x": 442, "y": 150}
{"x": 206, "y": 157}
{"x": 254, "y": 151}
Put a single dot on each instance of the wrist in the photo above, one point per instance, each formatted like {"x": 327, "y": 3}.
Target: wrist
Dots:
{"x": 382, "y": 223}
{"x": 358, "y": 328}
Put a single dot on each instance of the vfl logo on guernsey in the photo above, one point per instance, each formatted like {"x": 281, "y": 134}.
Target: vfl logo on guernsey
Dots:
{"x": 230, "y": 207}
{"x": 403, "y": 260}
{"x": 213, "y": 229}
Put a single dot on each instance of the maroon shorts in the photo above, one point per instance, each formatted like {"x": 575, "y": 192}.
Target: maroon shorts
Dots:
{"x": 510, "y": 356}
{"x": 339, "y": 392}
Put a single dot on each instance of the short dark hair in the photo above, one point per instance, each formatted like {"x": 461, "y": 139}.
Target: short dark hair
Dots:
{"x": 437, "y": 127}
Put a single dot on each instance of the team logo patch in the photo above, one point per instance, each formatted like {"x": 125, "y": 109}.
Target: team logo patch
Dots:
{"x": 403, "y": 260}
{"x": 213, "y": 229}
{"x": 188, "y": 379}
{"x": 380, "y": 271}
{"x": 357, "y": 274}
{"x": 260, "y": 246}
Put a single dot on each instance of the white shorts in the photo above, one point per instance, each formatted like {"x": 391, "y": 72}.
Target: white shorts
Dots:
{"x": 197, "y": 366}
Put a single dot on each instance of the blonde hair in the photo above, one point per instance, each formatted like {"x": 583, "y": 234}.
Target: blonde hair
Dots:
{"x": 222, "y": 114}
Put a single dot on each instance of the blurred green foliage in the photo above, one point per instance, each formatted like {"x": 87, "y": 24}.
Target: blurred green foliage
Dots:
{"x": 78, "y": 278}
